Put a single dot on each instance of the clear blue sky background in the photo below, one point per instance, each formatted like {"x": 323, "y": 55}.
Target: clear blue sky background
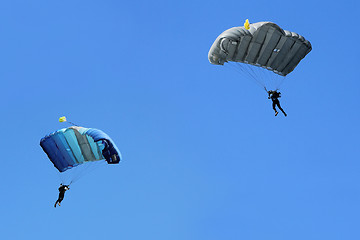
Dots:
{"x": 204, "y": 156}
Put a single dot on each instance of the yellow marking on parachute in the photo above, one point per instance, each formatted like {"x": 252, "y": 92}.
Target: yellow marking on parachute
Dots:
{"x": 247, "y": 24}
{"x": 62, "y": 119}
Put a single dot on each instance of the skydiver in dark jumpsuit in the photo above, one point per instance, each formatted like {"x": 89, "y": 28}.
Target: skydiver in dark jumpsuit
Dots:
{"x": 62, "y": 190}
{"x": 274, "y": 95}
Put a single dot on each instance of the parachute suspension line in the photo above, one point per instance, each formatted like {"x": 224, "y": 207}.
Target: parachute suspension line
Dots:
{"x": 94, "y": 166}
{"x": 256, "y": 73}
{"x": 71, "y": 175}
{"x": 74, "y": 174}
{"x": 280, "y": 83}
{"x": 263, "y": 75}
{"x": 241, "y": 70}
{"x": 251, "y": 72}
{"x": 84, "y": 169}
{"x": 62, "y": 181}
{"x": 267, "y": 77}
{"x": 64, "y": 178}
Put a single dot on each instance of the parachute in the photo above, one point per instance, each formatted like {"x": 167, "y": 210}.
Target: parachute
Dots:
{"x": 262, "y": 44}
{"x": 74, "y": 146}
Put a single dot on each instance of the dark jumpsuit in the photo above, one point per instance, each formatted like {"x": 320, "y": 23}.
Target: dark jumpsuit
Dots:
{"x": 274, "y": 95}
{"x": 62, "y": 190}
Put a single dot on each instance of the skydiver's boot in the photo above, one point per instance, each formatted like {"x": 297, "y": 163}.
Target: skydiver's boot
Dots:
{"x": 276, "y": 113}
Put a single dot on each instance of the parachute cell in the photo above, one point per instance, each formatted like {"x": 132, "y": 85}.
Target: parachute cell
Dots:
{"x": 265, "y": 45}
{"x": 69, "y": 147}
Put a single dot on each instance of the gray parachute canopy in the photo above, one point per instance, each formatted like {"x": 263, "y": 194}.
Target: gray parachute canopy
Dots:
{"x": 265, "y": 45}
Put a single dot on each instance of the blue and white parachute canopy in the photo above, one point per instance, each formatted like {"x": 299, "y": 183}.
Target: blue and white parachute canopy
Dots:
{"x": 70, "y": 147}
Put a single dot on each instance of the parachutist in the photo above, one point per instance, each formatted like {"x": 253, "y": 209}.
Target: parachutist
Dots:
{"x": 274, "y": 95}
{"x": 62, "y": 190}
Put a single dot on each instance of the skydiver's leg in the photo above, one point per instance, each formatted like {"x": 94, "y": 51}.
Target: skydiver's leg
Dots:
{"x": 273, "y": 105}
{"x": 59, "y": 200}
{"x": 278, "y": 104}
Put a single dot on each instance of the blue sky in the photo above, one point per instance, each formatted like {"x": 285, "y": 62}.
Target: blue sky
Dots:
{"x": 204, "y": 156}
